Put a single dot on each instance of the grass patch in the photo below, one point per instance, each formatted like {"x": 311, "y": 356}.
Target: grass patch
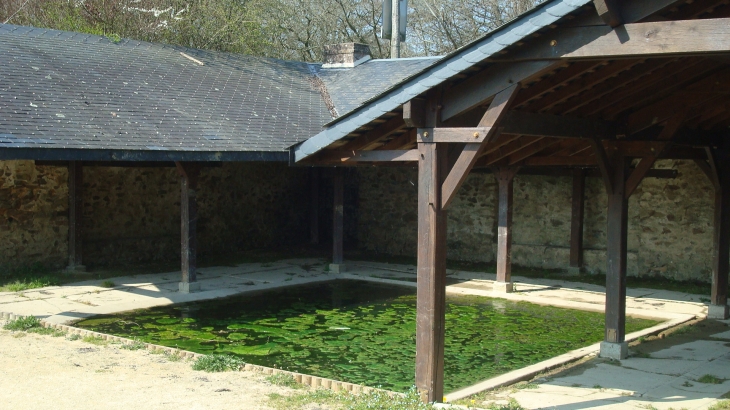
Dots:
{"x": 73, "y": 337}
{"x": 135, "y": 345}
{"x": 376, "y": 400}
{"x": 285, "y": 380}
{"x": 217, "y": 363}
{"x": 172, "y": 357}
{"x": 710, "y": 379}
{"x": 107, "y": 284}
{"x": 511, "y": 405}
{"x": 23, "y": 323}
{"x": 720, "y": 405}
{"x": 19, "y": 285}
{"x": 48, "y": 331}
{"x": 95, "y": 340}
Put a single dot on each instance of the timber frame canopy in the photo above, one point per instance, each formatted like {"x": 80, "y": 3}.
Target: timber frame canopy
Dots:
{"x": 609, "y": 85}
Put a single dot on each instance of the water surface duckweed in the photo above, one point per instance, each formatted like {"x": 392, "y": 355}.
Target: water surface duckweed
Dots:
{"x": 363, "y": 333}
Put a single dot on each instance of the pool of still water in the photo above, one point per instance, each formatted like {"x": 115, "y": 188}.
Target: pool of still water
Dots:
{"x": 363, "y": 332}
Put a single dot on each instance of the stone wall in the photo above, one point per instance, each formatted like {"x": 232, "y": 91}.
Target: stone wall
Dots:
{"x": 132, "y": 215}
{"x": 670, "y": 220}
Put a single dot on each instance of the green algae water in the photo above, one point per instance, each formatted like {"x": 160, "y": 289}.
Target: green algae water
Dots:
{"x": 363, "y": 332}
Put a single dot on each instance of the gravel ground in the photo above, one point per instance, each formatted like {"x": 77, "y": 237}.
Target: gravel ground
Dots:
{"x": 45, "y": 372}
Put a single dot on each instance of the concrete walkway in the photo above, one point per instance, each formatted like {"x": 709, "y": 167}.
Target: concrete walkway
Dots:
{"x": 666, "y": 379}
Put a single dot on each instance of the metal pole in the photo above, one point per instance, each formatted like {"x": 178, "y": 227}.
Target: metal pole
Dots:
{"x": 395, "y": 30}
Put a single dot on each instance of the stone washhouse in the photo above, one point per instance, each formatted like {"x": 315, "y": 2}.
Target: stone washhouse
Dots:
{"x": 593, "y": 101}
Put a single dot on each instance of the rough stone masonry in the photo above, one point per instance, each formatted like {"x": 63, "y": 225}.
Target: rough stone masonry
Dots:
{"x": 670, "y": 221}
{"x": 131, "y": 215}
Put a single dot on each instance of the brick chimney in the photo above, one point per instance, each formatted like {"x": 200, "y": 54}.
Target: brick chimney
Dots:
{"x": 345, "y": 55}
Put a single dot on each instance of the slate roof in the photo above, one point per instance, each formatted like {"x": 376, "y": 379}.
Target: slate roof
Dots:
{"x": 72, "y": 96}
{"x": 350, "y": 88}
{"x": 455, "y": 63}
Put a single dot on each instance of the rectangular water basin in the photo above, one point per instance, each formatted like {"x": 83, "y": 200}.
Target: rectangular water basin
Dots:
{"x": 363, "y": 332}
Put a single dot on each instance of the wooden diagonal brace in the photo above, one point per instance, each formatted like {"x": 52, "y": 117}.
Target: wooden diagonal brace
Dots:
{"x": 471, "y": 152}
{"x": 669, "y": 130}
{"x": 603, "y": 165}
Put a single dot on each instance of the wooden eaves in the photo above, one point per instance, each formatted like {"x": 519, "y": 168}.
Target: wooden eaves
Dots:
{"x": 613, "y": 87}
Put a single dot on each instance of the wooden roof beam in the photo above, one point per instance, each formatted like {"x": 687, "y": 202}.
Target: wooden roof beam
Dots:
{"x": 609, "y": 11}
{"x": 481, "y": 87}
{"x": 661, "y": 38}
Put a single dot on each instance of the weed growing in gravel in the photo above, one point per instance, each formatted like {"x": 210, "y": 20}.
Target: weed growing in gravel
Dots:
{"x": 172, "y": 357}
{"x": 23, "y": 323}
{"x": 711, "y": 379}
{"x": 73, "y": 337}
{"x": 217, "y": 363}
{"x": 46, "y": 331}
{"x": 135, "y": 345}
{"x": 376, "y": 400}
{"x": 511, "y": 405}
{"x": 285, "y": 380}
{"x": 721, "y": 405}
{"x": 95, "y": 340}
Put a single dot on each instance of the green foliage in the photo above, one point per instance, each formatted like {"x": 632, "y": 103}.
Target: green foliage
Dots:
{"x": 23, "y": 323}
{"x": 218, "y": 363}
{"x": 107, "y": 284}
{"x": 710, "y": 379}
{"x": 73, "y": 336}
{"x": 720, "y": 405}
{"x": 285, "y": 380}
{"x": 16, "y": 278}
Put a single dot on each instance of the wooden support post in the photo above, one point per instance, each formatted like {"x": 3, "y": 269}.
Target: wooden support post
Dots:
{"x": 614, "y": 345}
{"x": 189, "y": 173}
{"x": 75, "y": 216}
{"x": 721, "y": 240}
{"x": 314, "y": 206}
{"x": 505, "y": 178}
{"x": 338, "y": 228}
{"x": 431, "y": 270}
{"x": 431, "y": 280}
{"x": 576, "y": 219}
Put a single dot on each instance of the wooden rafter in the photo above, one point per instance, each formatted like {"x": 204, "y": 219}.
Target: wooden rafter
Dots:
{"x": 401, "y": 141}
{"x": 582, "y": 84}
{"x": 507, "y": 150}
{"x": 609, "y": 87}
{"x": 373, "y": 136}
{"x": 548, "y": 83}
{"x": 658, "y": 83}
{"x": 531, "y": 150}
